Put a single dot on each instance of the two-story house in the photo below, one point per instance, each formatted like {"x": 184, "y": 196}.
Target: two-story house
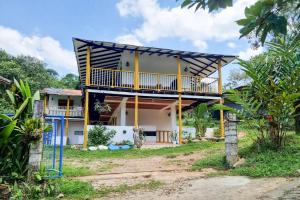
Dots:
{"x": 65, "y": 103}
{"x": 145, "y": 87}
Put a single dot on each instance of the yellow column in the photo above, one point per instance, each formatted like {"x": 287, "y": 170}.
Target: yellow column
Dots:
{"x": 180, "y": 118}
{"x": 179, "y": 90}
{"x": 136, "y": 87}
{"x": 136, "y": 111}
{"x": 179, "y": 83}
{"x": 221, "y": 100}
{"x": 86, "y": 102}
{"x": 67, "y": 119}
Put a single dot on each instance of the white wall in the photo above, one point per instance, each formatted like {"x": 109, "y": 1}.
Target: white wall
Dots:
{"x": 153, "y": 63}
{"x": 75, "y": 126}
{"x": 148, "y": 117}
{"x": 53, "y": 100}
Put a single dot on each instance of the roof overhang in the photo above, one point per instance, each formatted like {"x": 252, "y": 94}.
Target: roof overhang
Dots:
{"x": 108, "y": 55}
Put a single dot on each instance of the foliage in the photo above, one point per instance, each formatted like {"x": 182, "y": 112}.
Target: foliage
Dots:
{"x": 102, "y": 107}
{"x": 212, "y": 5}
{"x": 200, "y": 118}
{"x": 99, "y": 135}
{"x": 270, "y": 101}
{"x": 259, "y": 163}
{"x": 18, "y": 132}
{"x": 35, "y": 190}
{"x": 265, "y": 17}
{"x": 236, "y": 78}
{"x": 33, "y": 71}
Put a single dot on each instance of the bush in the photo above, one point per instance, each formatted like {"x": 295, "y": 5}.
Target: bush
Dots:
{"x": 99, "y": 135}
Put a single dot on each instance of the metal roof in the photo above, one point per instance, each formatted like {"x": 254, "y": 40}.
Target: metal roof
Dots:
{"x": 108, "y": 55}
{"x": 61, "y": 92}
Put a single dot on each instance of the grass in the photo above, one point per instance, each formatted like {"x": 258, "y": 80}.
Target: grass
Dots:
{"x": 141, "y": 153}
{"x": 74, "y": 189}
{"x": 264, "y": 163}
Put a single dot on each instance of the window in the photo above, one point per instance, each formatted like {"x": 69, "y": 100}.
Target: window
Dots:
{"x": 78, "y": 132}
{"x": 64, "y": 102}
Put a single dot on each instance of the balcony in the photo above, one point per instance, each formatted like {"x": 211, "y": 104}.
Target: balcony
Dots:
{"x": 152, "y": 81}
{"x": 75, "y": 111}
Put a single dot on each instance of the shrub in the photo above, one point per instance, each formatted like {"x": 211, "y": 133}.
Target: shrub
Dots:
{"x": 99, "y": 135}
{"x": 217, "y": 132}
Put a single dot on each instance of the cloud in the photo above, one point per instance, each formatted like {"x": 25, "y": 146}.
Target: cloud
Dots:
{"x": 249, "y": 53}
{"x": 231, "y": 45}
{"x": 185, "y": 24}
{"x": 46, "y": 49}
{"x": 128, "y": 39}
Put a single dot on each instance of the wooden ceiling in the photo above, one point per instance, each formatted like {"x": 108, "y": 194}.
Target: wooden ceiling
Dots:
{"x": 143, "y": 103}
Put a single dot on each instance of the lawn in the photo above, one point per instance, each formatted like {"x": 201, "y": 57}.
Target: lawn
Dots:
{"x": 142, "y": 153}
{"x": 259, "y": 163}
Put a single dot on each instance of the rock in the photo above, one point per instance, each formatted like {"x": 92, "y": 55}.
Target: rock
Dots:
{"x": 93, "y": 148}
{"x": 239, "y": 163}
{"x": 102, "y": 147}
{"x": 61, "y": 195}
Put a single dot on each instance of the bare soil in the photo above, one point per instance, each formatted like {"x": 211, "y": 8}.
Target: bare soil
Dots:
{"x": 178, "y": 181}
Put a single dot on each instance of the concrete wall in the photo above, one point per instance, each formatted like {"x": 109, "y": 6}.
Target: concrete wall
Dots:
{"x": 53, "y": 100}
{"x": 150, "y": 118}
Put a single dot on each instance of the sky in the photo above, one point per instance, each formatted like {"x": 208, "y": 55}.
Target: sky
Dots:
{"x": 44, "y": 29}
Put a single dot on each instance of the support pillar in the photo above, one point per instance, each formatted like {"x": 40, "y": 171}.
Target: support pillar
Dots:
{"x": 136, "y": 87}
{"x": 123, "y": 112}
{"x": 179, "y": 90}
{"x": 67, "y": 119}
{"x": 180, "y": 118}
{"x": 86, "y": 102}
{"x": 173, "y": 118}
{"x": 221, "y": 100}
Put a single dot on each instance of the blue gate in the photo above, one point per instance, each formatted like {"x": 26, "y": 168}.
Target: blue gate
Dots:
{"x": 53, "y": 142}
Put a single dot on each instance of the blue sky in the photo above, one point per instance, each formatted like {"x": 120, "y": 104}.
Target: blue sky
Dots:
{"x": 45, "y": 28}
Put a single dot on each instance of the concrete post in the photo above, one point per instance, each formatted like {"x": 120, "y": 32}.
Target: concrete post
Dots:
{"x": 173, "y": 117}
{"x": 231, "y": 139}
{"x": 36, "y": 148}
{"x": 123, "y": 112}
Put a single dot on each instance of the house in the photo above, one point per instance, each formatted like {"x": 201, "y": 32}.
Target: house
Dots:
{"x": 65, "y": 104}
{"x": 145, "y": 87}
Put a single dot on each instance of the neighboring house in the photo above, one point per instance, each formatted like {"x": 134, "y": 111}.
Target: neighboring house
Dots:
{"x": 66, "y": 103}
{"x": 146, "y": 87}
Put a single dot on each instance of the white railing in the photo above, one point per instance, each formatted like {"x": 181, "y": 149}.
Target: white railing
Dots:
{"x": 153, "y": 81}
{"x": 75, "y": 111}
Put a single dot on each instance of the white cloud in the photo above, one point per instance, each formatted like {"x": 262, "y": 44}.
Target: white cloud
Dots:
{"x": 231, "y": 45}
{"x": 46, "y": 49}
{"x": 196, "y": 27}
{"x": 128, "y": 39}
{"x": 249, "y": 53}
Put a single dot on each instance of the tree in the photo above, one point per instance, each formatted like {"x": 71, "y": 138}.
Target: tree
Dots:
{"x": 236, "y": 79}
{"x": 200, "y": 118}
{"x": 265, "y": 17}
{"x": 70, "y": 81}
{"x": 271, "y": 100}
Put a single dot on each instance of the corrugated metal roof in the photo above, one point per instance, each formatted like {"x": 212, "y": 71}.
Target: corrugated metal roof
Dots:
{"x": 108, "y": 55}
{"x": 61, "y": 92}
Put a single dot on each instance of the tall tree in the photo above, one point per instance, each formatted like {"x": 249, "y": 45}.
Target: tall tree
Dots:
{"x": 262, "y": 19}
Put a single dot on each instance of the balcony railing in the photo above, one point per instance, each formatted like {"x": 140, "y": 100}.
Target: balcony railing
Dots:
{"x": 75, "y": 111}
{"x": 152, "y": 81}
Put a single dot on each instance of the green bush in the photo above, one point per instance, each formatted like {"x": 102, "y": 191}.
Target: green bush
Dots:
{"x": 99, "y": 135}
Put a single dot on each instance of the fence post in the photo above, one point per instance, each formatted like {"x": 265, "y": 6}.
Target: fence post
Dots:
{"x": 36, "y": 148}
{"x": 231, "y": 139}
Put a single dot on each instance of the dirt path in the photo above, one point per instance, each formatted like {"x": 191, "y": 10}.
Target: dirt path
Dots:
{"x": 181, "y": 183}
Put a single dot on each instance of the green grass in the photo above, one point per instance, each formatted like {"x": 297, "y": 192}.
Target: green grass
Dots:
{"x": 140, "y": 153}
{"x": 263, "y": 163}
{"x": 74, "y": 189}
{"x": 71, "y": 171}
